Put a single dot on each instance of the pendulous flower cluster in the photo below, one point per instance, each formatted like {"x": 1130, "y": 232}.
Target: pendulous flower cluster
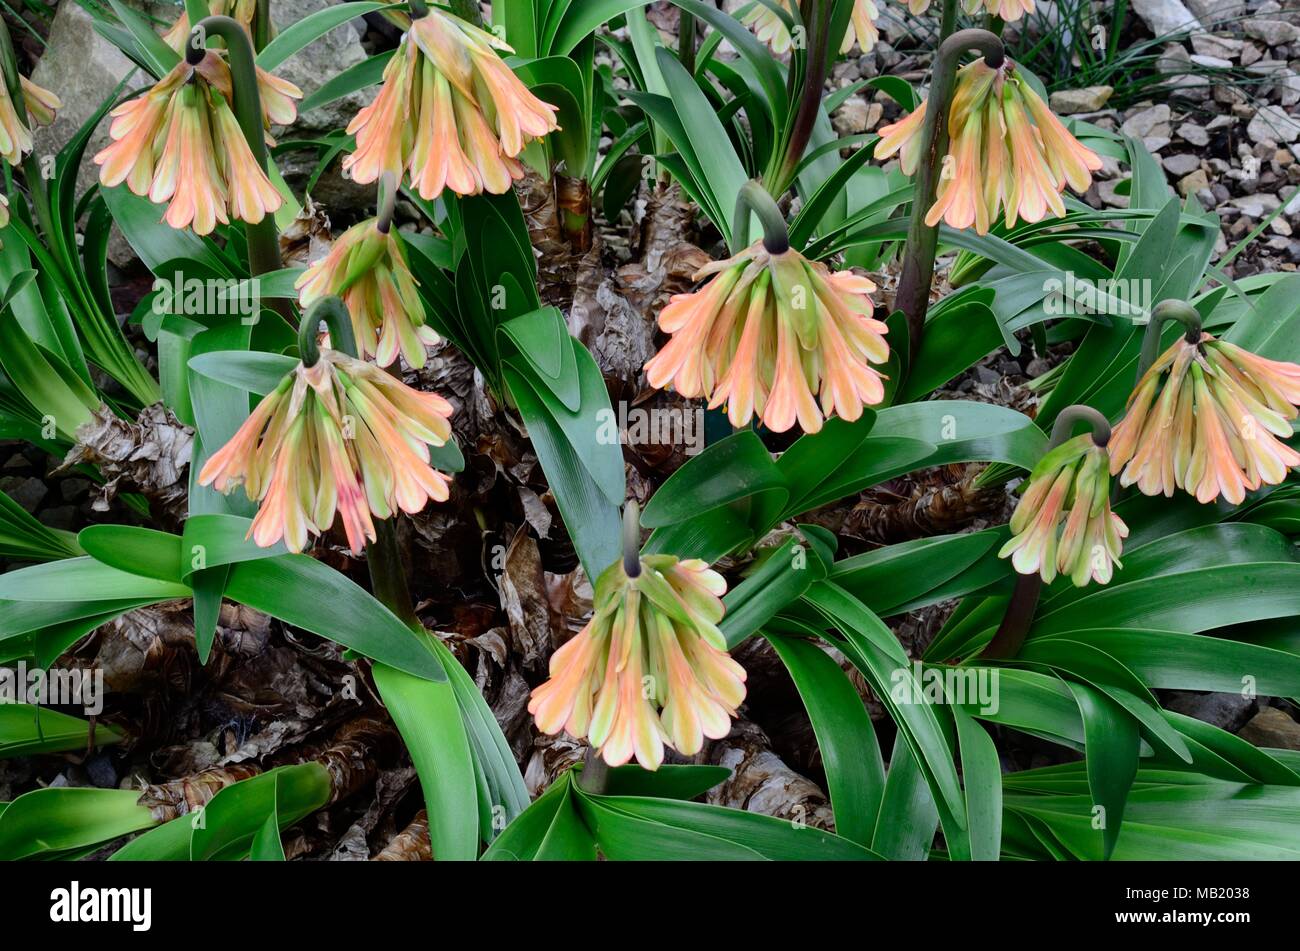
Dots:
{"x": 15, "y": 134}
{"x": 1063, "y": 522}
{"x": 180, "y": 144}
{"x": 1009, "y": 154}
{"x": 338, "y": 436}
{"x": 1208, "y": 417}
{"x": 771, "y": 29}
{"x": 277, "y": 95}
{"x": 450, "y": 112}
{"x": 650, "y": 668}
{"x": 366, "y": 267}
{"x": 769, "y": 334}
{"x": 1009, "y": 10}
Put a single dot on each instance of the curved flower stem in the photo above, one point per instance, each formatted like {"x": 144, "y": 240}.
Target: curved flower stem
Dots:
{"x": 631, "y": 539}
{"x": 335, "y": 314}
{"x": 386, "y": 202}
{"x": 913, "y": 297}
{"x": 1070, "y": 417}
{"x": 31, "y": 167}
{"x": 754, "y": 198}
{"x": 263, "y": 237}
{"x": 1178, "y": 310}
{"x": 1015, "y": 624}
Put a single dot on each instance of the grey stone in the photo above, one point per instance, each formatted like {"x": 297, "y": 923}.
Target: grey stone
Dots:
{"x": 1165, "y": 16}
{"x": 73, "y": 489}
{"x": 1222, "y": 47}
{"x": 27, "y": 492}
{"x": 1256, "y": 206}
{"x": 1068, "y": 102}
{"x": 1193, "y": 133}
{"x": 1271, "y": 32}
{"x": 1227, "y": 711}
{"x": 1211, "y": 62}
{"x": 1146, "y": 121}
{"x": 1211, "y": 12}
{"x": 62, "y": 516}
{"x": 82, "y": 68}
{"x": 1273, "y": 124}
{"x": 1181, "y": 165}
{"x": 308, "y": 70}
{"x": 320, "y": 61}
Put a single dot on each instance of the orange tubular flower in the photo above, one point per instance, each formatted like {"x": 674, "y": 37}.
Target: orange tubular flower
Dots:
{"x": 179, "y": 144}
{"x": 1063, "y": 521}
{"x": 771, "y": 29}
{"x": 650, "y": 668}
{"x": 278, "y": 95}
{"x": 15, "y": 134}
{"x": 768, "y": 334}
{"x": 367, "y": 269}
{"x": 1009, "y": 10}
{"x": 1208, "y": 417}
{"x": 450, "y": 111}
{"x": 1009, "y": 155}
{"x": 340, "y": 436}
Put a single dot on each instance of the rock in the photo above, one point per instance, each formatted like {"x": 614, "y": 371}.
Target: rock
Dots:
{"x": 1193, "y": 133}
{"x": 1251, "y": 53}
{"x": 1165, "y": 16}
{"x": 1211, "y": 62}
{"x": 62, "y": 516}
{"x": 1221, "y": 47}
{"x": 1173, "y": 59}
{"x": 1181, "y": 165}
{"x": 1273, "y": 124}
{"x": 851, "y": 118}
{"x": 1272, "y": 728}
{"x": 1211, "y": 12}
{"x": 1106, "y": 190}
{"x": 1271, "y": 32}
{"x": 1256, "y": 206}
{"x": 1194, "y": 182}
{"x": 1146, "y": 121}
{"x": 1068, "y": 102}
{"x": 320, "y": 61}
{"x": 1227, "y": 711}
{"x": 309, "y": 69}
{"x": 82, "y": 68}
{"x": 27, "y": 492}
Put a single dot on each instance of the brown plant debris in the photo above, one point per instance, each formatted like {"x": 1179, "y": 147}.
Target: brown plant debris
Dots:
{"x": 150, "y": 456}
{"x": 411, "y": 844}
{"x": 180, "y": 797}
